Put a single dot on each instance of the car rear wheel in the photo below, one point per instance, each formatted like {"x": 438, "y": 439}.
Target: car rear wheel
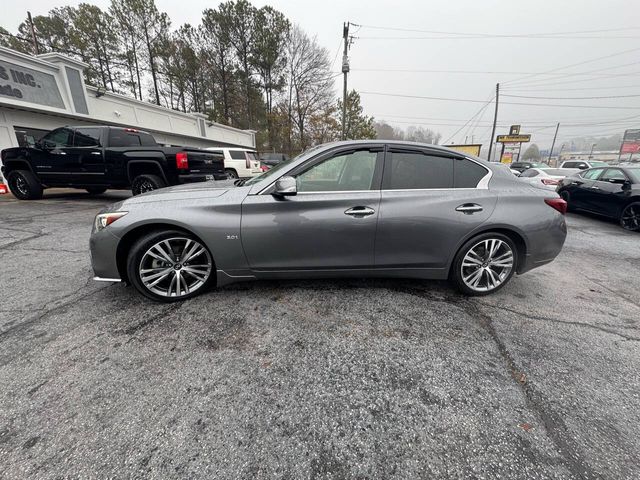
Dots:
{"x": 96, "y": 190}
{"x": 146, "y": 183}
{"x": 24, "y": 185}
{"x": 484, "y": 264}
{"x": 630, "y": 218}
{"x": 169, "y": 266}
{"x": 231, "y": 174}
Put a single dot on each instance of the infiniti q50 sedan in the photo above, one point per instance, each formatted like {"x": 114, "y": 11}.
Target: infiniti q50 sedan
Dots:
{"x": 344, "y": 209}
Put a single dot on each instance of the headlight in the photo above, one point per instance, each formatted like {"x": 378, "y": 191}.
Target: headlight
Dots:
{"x": 103, "y": 220}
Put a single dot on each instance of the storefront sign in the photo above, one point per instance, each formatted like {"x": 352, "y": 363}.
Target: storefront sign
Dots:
{"x": 28, "y": 85}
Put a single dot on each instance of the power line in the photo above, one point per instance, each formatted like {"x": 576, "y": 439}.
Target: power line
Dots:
{"x": 487, "y": 37}
{"x": 571, "y": 98}
{"x": 574, "y": 65}
{"x": 491, "y": 35}
{"x": 544, "y": 89}
{"x": 477, "y": 113}
{"x": 506, "y": 103}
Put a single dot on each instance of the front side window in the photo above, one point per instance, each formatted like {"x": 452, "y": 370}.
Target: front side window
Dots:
{"x": 58, "y": 138}
{"x": 415, "y": 170}
{"x": 613, "y": 174}
{"x": 86, "y": 137}
{"x": 592, "y": 174}
{"x": 347, "y": 172}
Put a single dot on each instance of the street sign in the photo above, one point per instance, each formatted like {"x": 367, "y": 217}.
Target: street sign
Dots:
{"x": 513, "y": 138}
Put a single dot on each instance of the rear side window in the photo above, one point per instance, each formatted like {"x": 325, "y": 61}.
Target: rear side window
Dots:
{"x": 467, "y": 174}
{"x": 415, "y": 170}
{"x": 124, "y": 138}
{"x": 613, "y": 174}
{"x": 238, "y": 154}
{"x": 86, "y": 137}
{"x": 593, "y": 173}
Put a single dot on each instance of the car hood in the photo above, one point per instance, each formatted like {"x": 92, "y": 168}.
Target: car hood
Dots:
{"x": 183, "y": 192}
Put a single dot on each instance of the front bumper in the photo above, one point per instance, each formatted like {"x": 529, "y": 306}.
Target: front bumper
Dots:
{"x": 103, "y": 246}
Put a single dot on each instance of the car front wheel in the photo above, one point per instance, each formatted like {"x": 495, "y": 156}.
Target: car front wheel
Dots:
{"x": 630, "y": 218}
{"x": 484, "y": 264}
{"x": 24, "y": 185}
{"x": 169, "y": 266}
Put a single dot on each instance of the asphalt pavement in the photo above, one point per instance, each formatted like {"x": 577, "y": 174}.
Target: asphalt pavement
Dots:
{"x": 317, "y": 379}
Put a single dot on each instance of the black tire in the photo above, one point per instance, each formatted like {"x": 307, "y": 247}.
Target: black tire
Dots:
{"x": 146, "y": 183}
{"x": 566, "y": 196}
{"x": 24, "y": 185}
{"x": 630, "y": 217}
{"x": 137, "y": 261}
{"x": 95, "y": 190}
{"x": 456, "y": 274}
{"x": 231, "y": 173}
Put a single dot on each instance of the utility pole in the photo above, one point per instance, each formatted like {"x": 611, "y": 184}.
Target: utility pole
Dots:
{"x": 345, "y": 71}
{"x": 33, "y": 34}
{"x": 553, "y": 144}
{"x": 495, "y": 120}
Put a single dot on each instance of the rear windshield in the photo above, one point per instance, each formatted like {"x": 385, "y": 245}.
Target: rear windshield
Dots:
{"x": 123, "y": 138}
{"x": 252, "y": 156}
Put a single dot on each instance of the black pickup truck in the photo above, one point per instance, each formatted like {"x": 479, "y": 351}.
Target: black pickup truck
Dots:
{"x": 97, "y": 158}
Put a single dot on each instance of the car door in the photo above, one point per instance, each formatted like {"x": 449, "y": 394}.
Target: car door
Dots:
{"x": 609, "y": 193}
{"x": 429, "y": 201}
{"x": 51, "y": 159}
{"x": 87, "y": 151}
{"x": 328, "y": 225}
{"x": 581, "y": 188}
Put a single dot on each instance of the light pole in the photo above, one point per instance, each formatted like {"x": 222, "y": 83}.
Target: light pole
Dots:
{"x": 591, "y": 152}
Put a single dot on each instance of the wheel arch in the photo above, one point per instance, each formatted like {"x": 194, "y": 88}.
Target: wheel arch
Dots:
{"x": 141, "y": 167}
{"x": 513, "y": 234}
{"x": 133, "y": 235}
{"x": 17, "y": 164}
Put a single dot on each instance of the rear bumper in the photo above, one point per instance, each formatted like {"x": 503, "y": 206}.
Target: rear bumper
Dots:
{"x": 201, "y": 177}
{"x": 544, "y": 245}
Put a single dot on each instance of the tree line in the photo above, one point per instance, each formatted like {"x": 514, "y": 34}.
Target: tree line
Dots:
{"x": 242, "y": 66}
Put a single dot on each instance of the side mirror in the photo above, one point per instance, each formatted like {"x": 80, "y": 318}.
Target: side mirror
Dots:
{"x": 582, "y": 166}
{"x": 286, "y": 186}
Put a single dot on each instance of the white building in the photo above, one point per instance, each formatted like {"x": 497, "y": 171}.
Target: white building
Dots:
{"x": 38, "y": 94}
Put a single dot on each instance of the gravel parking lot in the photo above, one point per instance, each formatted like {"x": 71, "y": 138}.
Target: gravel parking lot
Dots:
{"x": 322, "y": 379}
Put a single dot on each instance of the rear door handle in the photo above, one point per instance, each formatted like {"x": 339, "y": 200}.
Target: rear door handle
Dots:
{"x": 359, "y": 212}
{"x": 469, "y": 208}
{"x": 594, "y": 188}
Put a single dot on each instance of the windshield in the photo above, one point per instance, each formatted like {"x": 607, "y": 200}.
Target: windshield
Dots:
{"x": 538, "y": 165}
{"x": 555, "y": 171}
{"x": 599, "y": 164}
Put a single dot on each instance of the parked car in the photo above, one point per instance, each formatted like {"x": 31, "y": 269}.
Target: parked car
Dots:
{"x": 239, "y": 162}
{"x": 273, "y": 159}
{"x": 583, "y": 164}
{"x": 548, "y": 178}
{"x": 354, "y": 208}
{"x": 613, "y": 192}
{"x": 98, "y": 158}
{"x": 522, "y": 166}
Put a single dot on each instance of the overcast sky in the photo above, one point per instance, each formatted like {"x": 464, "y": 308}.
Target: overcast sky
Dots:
{"x": 381, "y": 64}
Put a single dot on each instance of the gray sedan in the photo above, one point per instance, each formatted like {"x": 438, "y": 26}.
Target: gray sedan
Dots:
{"x": 344, "y": 209}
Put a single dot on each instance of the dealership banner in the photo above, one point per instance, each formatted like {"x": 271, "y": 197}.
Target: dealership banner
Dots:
{"x": 631, "y": 141}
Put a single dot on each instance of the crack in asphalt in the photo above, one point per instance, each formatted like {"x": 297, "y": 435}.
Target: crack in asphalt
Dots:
{"x": 554, "y": 425}
{"x": 149, "y": 320}
{"x": 23, "y": 240}
{"x": 613, "y": 292}
{"x": 530, "y": 316}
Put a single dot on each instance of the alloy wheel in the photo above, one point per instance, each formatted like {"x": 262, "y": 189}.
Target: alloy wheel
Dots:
{"x": 21, "y": 185}
{"x": 487, "y": 264}
{"x": 175, "y": 267}
{"x": 630, "y": 219}
{"x": 145, "y": 186}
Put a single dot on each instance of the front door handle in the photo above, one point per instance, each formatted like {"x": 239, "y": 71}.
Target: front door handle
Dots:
{"x": 359, "y": 212}
{"x": 594, "y": 188}
{"x": 469, "y": 208}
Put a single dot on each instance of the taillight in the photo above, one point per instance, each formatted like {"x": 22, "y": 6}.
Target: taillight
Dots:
{"x": 557, "y": 203}
{"x": 248, "y": 160}
{"x": 550, "y": 181}
{"x": 182, "y": 161}
{"x": 264, "y": 168}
